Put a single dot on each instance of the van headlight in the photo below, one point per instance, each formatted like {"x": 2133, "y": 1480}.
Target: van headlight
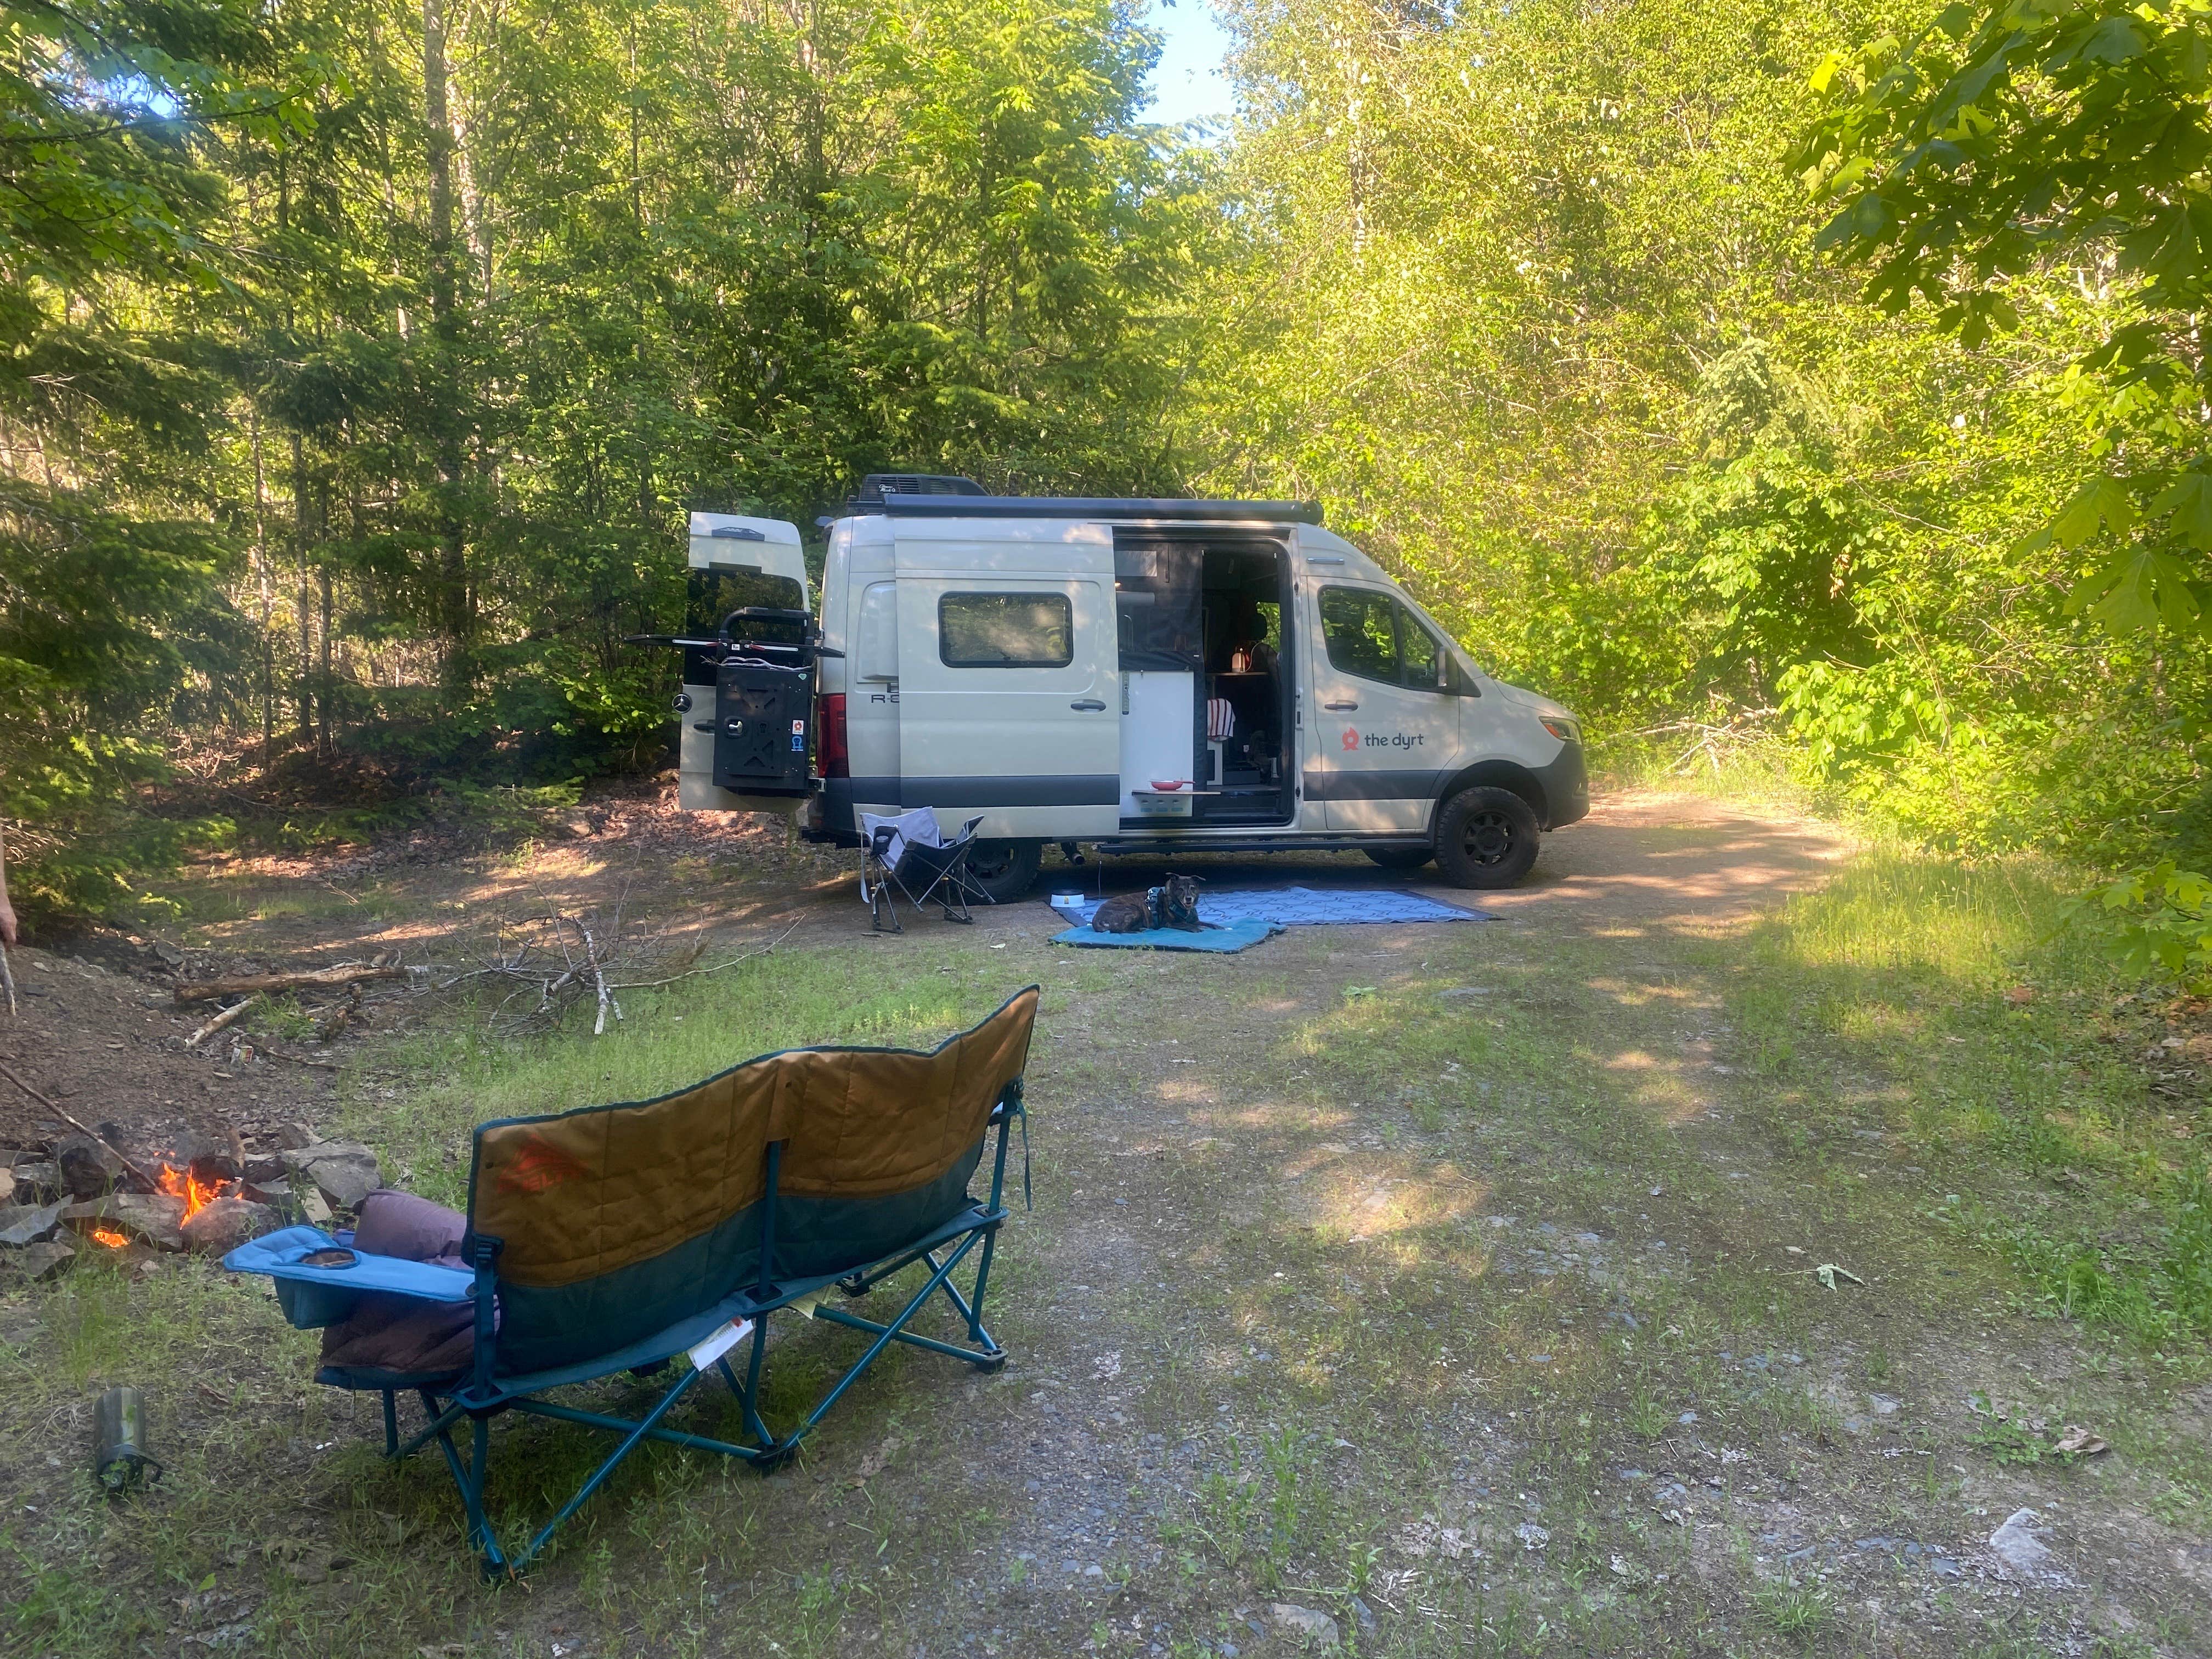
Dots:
{"x": 1565, "y": 730}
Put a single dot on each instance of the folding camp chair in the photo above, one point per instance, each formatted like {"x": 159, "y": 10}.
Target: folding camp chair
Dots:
{"x": 615, "y": 1238}
{"x": 909, "y": 852}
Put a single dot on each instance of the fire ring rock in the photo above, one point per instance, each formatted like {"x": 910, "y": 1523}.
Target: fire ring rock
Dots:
{"x": 27, "y": 1224}
{"x": 344, "y": 1171}
{"x": 156, "y": 1218}
{"x": 226, "y": 1224}
{"x": 41, "y": 1260}
{"x": 87, "y": 1167}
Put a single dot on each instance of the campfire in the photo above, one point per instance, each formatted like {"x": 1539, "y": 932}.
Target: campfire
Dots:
{"x": 113, "y": 1195}
{"x": 196, "y": 1194}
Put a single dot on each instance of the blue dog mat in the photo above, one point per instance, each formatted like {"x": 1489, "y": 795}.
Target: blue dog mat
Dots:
{"x": 1288, "y": 907}
{"x": 1240, "y": 935}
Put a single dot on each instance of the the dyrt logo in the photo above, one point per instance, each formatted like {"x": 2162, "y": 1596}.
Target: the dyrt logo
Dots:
{"x": 539, "y": 1165}
{"x": 1350, "y": 739}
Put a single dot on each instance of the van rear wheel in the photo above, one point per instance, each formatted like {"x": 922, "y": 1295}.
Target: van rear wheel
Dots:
{"x": 1486, "y": 837}
{"x": 1005, "y": 871}
{"x": 1399, "y": 858}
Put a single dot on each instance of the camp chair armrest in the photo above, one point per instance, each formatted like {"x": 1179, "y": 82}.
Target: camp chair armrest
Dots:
{"x": 313, "y": 1297}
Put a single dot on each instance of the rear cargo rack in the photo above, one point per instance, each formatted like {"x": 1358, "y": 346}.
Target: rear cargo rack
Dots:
{"x": 899, "y": 504}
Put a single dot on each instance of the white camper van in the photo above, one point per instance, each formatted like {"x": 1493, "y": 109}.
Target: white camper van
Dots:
{"x": 1150, "y": 677}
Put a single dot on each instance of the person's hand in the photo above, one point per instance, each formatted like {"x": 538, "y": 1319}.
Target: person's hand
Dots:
{"x": 7, "y": 922}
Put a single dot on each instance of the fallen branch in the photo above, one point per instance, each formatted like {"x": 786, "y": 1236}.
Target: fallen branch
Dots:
{"x": 152, "y": 1185}
{"x": 655, "y": 984}
{"x": 227, "y": 1016}
{"x": 269, "y": 984}
{"x": 544, "y": 965}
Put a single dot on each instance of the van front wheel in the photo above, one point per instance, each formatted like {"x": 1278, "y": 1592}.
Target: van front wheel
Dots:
{"x": 1486, "y": 837}
{"x": 1005, "y": 871}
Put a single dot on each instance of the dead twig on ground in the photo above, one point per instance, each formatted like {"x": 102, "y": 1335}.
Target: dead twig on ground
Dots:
{"x": 1709, "y": 738}
{"x": 295, "y": 1059}
{"x": 716, "y": 967}
{"x": 228, "y": 1017}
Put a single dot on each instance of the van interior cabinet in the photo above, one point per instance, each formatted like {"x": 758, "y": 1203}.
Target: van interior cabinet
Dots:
{"x": 1157, "y": 710}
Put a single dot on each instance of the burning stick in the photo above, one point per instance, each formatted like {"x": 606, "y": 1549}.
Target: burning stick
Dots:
{"x": 152, "y": 1185}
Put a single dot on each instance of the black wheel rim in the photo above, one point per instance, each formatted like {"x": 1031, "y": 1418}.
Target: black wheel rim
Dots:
{"x": 992, "y": 865}
{"x": 1487, "y": 838}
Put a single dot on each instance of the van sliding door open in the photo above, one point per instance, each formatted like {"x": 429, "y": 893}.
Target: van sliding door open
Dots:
{"x": 1009, "y": 701}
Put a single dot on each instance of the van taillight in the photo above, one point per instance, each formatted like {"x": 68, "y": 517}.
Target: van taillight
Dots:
{"x": 830, "y": 736}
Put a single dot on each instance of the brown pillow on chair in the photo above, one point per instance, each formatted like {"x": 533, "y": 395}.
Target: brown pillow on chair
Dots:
{"x": 401, "y": 1333}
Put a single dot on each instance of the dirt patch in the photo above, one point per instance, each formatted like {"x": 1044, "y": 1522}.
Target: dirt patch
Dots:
{"x": 109, "y": 1048}
{"x": 1455, "y": 1283}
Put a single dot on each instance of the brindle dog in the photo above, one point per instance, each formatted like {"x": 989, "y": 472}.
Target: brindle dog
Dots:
{"x": 1174, "y": 904}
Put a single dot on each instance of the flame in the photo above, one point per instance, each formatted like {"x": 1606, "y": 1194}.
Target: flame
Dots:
{"x": 196, "y": 1194}
{"x": 109, "y": 1237}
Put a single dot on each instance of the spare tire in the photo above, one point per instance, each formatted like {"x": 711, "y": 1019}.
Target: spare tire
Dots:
{"x": 1005, "y": 871}
{"x": 1486, "y": 837}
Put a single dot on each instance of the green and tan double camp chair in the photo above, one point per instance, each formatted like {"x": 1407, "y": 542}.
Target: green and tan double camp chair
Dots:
{"x": 619, "y": 1238}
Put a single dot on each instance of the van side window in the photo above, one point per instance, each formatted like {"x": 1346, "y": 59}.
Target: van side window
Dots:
{"x": 1005, "y": 630}
{"x": 1355, "y": 624}
{"x": 1419, "y": 655}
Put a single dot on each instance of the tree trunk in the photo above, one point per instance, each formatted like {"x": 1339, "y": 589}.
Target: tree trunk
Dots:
{"x": 306, "y": 691}
{"x": 261, "y": 576}
{"x": 456, "y": 617}
{"x": 324, "y": 742}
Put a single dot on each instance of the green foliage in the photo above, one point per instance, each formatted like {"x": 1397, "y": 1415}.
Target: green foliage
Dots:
{"x": 363, "y": 415}
{"x": 363, "y": 362}
{"x": 2006, "y": 140}
{"x": 114, "y": 622}
{"x": 1526, "y": 297}
{"x": 2164, "y": 923}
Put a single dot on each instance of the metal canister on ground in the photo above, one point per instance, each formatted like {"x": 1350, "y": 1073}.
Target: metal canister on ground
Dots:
{"x": 119, "y": 1454}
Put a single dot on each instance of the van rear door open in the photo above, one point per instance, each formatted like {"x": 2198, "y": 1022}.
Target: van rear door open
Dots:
{"x": 735, "y": 562}
{"x": 1008, "y": 691}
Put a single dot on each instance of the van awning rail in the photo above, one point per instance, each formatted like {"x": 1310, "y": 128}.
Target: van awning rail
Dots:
{"x": 1155, "y": 509}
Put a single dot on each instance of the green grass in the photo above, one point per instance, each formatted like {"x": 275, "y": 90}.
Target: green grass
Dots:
{"x": 1338, "y": 1247}
{"x": 1971, "y": 1027}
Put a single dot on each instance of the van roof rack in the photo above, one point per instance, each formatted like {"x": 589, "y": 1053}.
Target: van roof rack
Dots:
{"x": 915, "y": 504}
{"x": 877, "y": 485}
